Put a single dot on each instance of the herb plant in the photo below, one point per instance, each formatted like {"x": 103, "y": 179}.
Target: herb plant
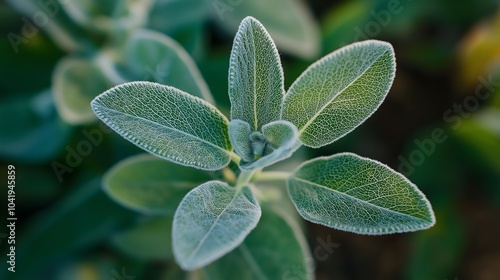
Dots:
{"x": 268, "y": 124}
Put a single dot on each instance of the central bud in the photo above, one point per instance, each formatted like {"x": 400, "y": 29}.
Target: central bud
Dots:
{"x": 258, "y": 145}
{"x": 259, "y": 148}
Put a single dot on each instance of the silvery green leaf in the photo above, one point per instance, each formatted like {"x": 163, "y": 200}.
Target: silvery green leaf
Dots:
{"x": 155, "y": 57}
{"x": 239, "y": 132}
{"x": 289, "y": 22}
{"x": 275, "y": 249}
{"x": 360, "y": 195}
{"x": 255, "y": 76}
{"x": 340, "y": 91}
{"x": 151, "y": 185}
{"x": 212, "y": 220}
{"x": 281, "y": 141}
{"x": 167, "y": 122}
{"x": 148, "y": 240}
{"x": 75, "y": 83}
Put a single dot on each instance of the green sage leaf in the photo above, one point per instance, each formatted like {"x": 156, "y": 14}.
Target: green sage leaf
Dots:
{"x": 340, "y": 91}
{"x": 239, "y": 135}
{"x": 168, "y": 123}
{"x": 212, "y": 220}
{"x": 360, "y": 195}
{"x": 150, "y": 184}
{"x": 275, "y": 249}
{"x": 255, "y": 76}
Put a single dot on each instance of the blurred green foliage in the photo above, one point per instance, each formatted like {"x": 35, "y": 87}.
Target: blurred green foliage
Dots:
{"x": 57, "y": 57}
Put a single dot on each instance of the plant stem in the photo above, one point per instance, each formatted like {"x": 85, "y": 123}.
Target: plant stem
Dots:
{"x": 272, "y": 176}
{"x": 235, "y": 157}
{"x": 244, "y": 178}
{"x": 228, "y": 175}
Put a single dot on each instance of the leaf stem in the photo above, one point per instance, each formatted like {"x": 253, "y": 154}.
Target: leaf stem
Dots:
{"x": 234, "y": 157}
{"x": 244, "y": 178}
{"x": 228, "y": 175}
{"x": 272, "y": 176}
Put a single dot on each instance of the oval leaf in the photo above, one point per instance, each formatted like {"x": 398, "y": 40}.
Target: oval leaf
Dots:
{"x": 151, "y": 185}
{"x": 239, "y": 132}
{"x": 340, "y": 91}
{"x": 360, "y": 195}
{"x": 289, "y": 21}
{"x": 275, "y": 249}
{"x": 157, "y": 58}
{"x": 167, "y": 122}
{"x": 255, "y": 76}
{"x": 76, "y": 82}
{"x": 212, "y": 220}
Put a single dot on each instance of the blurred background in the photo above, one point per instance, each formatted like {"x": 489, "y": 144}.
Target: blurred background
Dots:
{"x": 440, "y": 125}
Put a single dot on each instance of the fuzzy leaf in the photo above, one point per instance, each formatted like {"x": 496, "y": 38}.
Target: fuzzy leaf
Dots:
{"x": 239, "y": 135}
{"x": 290, "y": 23}
{"x": 157, "y": 58}
{"x": 275, "y": 249}
{"x": 76, "y": 82}
{"x": 340, "y": 91}
{"x": 151, "y": 185}
{"x": 212, "y": 220}
{"x": 167, "y": 122}
{"x": 255, "y": 76}
{"x": 360, "y": 195}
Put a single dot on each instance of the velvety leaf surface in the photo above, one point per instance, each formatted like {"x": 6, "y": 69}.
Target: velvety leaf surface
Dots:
{"x": 211, "y": 221}
{"x": 340, "y": 91}
{"x": 360, "y": 195}
{"x": 255, "y": 76}
{"x": 167, "y": 122}
{"x": 275, "y": 249}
